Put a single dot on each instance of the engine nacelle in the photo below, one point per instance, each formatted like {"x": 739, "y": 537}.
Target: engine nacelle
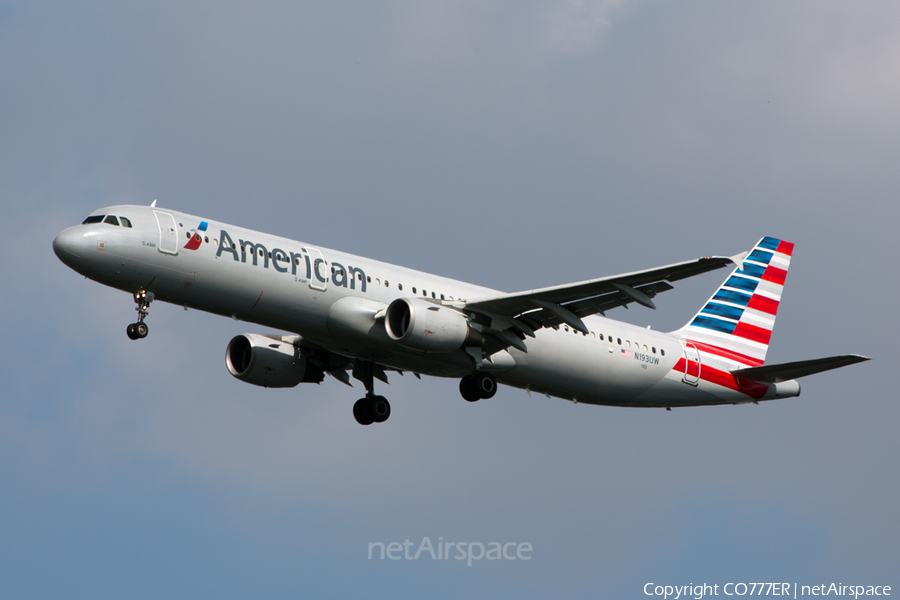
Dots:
{"x": 428, "y": 327}
{"x": 268, "y": 362}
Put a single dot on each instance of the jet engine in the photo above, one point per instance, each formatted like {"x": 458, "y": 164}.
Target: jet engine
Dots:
{"x": 428, "y": 327}
{"x": 269, "y": 362}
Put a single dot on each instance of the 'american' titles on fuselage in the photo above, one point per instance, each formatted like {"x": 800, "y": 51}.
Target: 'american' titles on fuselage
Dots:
{"x": 341, "y": 276}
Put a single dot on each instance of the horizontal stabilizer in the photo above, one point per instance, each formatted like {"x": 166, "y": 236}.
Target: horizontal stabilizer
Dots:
{"x": 793, "y": 370}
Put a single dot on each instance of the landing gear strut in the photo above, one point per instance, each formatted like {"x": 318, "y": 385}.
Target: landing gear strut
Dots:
{"x": 478, "y": 386}
{"x": 139, "y": 330}
{"x": 372, "y": 408}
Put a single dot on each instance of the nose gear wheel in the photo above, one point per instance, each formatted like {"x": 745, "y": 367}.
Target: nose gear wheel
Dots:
{"x": 139, "y": 330}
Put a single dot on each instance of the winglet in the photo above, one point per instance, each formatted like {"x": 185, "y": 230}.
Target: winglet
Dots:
{"x": 153, "y": 204}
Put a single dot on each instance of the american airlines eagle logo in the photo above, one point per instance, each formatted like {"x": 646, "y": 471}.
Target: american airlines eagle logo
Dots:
{"x": 196, "y": 238}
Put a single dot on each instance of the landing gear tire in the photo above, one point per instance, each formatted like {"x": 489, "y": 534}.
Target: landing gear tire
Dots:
{"x": 371, "y": 409}
{"x": 137, "y": 331}
{"x": 486, "y": 385}
{"x": 380, "y": 409}
{"x": 362, "y": 412}
{"x": 479, "y": 386}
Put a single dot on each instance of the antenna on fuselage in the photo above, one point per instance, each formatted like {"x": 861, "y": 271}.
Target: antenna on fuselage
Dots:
{"x": 153, "y": 204}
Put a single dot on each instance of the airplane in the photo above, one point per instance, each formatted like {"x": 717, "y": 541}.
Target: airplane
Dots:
{"x": 349, "y": 316}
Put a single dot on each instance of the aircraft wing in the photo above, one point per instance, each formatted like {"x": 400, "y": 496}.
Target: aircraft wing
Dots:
{"x": 508, "y": 318}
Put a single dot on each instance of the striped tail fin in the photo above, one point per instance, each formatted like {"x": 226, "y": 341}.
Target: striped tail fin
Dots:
{"x": 736, "y": 323}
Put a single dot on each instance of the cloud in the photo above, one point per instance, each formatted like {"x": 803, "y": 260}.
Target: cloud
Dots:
{"x": 578, "y": 26}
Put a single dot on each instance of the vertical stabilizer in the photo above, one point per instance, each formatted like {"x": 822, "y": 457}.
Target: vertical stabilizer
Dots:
{"x": 736, "y": 323}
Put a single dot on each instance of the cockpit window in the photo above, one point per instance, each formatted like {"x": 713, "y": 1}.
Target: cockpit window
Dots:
{"x": 92, "y": 219}
{"x": 112, "y": 220}
{"x": 125, "y": 222}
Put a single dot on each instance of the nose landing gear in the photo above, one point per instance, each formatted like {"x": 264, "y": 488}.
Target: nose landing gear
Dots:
{"x": 139, "y": 330}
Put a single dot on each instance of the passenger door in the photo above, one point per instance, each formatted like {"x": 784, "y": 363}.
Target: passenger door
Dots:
{"x": 168, "y": 234}
{"x": 691, "y": 364}
{"x": 318, "y": 278}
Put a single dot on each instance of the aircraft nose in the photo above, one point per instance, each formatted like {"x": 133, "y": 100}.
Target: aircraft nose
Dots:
{"x": 69, "y": 245}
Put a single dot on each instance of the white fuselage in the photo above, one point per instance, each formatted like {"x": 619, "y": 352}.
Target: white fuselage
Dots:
{"x": 328, "y": 297}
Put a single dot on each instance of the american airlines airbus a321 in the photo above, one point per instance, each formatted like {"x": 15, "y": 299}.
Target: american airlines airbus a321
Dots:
{"x": 352, "y": 316}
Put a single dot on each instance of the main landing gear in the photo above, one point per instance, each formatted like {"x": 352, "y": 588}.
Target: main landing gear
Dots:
{"x": 139, "y": 330}
{"x": 478, "y": 386}
{"x": 372, "y": 408}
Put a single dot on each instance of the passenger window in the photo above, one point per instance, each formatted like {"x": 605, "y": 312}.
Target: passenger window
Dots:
{"x": 442, "y": 296}
{"x": 645, "y": 347}
{"x": 368, "y": 278}
{"x": 601, "y": 337}
{"x": 112, "y": 220}
{"x": 433, "y": 296}
{"x": 125, "y": 222}
{"x": 414, "y": 290}
{"x": 400, "y": 286}
{"x": 653, "y": 349}
{"x": 206, "y": 239}
{"x": 627, "y": 344}
{"x": 386, "y": 284}
{"x": 619, "y": 340}
{"x": 661, "y": 351}
{"x": 94, "y": 219}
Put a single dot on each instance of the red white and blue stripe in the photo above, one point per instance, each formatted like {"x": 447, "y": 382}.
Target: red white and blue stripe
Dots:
{"x": 735, "y": 325}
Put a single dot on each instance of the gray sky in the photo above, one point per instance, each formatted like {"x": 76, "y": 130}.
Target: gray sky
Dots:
{"x": 511, "y": 144}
